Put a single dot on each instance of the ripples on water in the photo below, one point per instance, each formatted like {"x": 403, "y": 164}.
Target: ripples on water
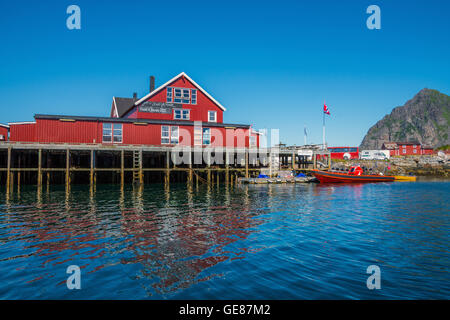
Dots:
{"x": 303, "y": 241}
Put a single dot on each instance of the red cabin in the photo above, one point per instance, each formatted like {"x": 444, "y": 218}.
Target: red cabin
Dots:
{"x": 179, "y": 112}
{"x": 406, "y": 148}
{"x": 344, "y": 152}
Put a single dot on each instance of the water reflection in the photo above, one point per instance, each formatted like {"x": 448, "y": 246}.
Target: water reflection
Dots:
{"x": 172, "y": 234}
{"x": 162, "y": 241}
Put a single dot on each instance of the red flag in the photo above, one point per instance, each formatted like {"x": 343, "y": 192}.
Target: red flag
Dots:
{"x": 325, "y": 109}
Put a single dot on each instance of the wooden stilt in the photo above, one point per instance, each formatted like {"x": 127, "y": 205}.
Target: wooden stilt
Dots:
{"x": 167, "y": 178}
{"x": 8, "y": 172}
{"x": 122, "y": 168}
{"x": 141, "y": 173}
{"x": 39, "y": 178}
{"x": 246, "y": 164}
{"x": 67, "y": 168}
{"x": 91, "y": 171}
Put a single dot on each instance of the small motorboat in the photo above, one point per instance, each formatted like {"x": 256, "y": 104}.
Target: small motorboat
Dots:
{"x": 405, "y": 178}
{"x": 354, "y": 175}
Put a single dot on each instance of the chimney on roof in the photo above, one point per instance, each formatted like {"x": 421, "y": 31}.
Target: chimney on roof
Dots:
{"x": 134, "y": 96}
{"x": 152, "y": 83}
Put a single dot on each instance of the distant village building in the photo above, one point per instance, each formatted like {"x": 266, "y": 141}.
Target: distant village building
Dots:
{"x": 406, "y": 148}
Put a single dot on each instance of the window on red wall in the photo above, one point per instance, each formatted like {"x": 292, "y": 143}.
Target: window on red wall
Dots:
{"x": 181, "y": 95}
{"x": 112, "y": 132}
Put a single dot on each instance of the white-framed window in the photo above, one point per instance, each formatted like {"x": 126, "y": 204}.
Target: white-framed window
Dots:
{"x": 193, "y": 96}
{"x": 165, "y": 134}
{"x": 181, "y": 114}
{"x": 112, "y": 133}
{"x": 117, "y": 132}
{"x": 170, "y": 135}
{"x": 404, "y": 150}
{"x": 212, "y": 116}
{"x": 252, "y": 141}
{"x": 181, "y": 95}
{"x": 107, "y": 132}
{"x": 174, "y": 135}
{"x": 186, "y": 96}
{"x": 206, "y": 136}
{"x": 178, "y": 95}
{"x": 169, "y": 94}
{"x": 197, "y": 136}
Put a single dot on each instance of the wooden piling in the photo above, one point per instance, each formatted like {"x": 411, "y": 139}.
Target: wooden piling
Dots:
{"x": 39, "y": 178}
{"x": 141, "y": 173}
{"x": 91, "y": 171}
{"x": 167, "y": 177}
{"x": 122, "y": 168}
{"x": 67, "y": 167}
{"x": 246, "y": 164}
{"x": 8, "y": 172}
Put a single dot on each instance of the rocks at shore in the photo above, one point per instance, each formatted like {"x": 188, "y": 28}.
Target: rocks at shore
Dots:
{"x": 425, "y": 165}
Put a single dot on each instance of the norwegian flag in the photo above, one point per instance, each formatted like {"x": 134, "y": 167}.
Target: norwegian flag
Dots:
{"x": 325, "y": 109}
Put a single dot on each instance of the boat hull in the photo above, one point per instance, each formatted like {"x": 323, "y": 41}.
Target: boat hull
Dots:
{"x": 334, "y": 177}
{"x": 405, "y": 178}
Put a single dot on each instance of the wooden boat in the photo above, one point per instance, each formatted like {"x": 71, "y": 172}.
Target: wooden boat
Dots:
{"x": 354, "y": 175}
{"x": 405, "y": 178}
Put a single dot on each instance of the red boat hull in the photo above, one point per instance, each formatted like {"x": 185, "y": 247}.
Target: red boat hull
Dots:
{"x": 335, "y": 177}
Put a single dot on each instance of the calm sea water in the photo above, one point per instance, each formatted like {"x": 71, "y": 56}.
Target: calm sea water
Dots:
{"x": 304, "y": 241}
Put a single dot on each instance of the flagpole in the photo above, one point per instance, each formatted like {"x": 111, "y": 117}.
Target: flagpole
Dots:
{"x": 304, "y": 133}
{"x": 323, "y": 124}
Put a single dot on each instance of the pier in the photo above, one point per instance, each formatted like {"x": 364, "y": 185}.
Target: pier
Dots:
{"x": 44, "y": 164}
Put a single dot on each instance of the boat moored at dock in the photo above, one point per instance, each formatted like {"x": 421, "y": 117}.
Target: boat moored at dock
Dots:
{"x": 354, "y": 175}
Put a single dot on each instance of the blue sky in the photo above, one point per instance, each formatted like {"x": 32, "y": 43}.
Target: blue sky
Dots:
{"x": 271, "y": 64}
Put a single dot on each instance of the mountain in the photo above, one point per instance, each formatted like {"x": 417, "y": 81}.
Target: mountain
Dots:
{"x": 425, "y": 118}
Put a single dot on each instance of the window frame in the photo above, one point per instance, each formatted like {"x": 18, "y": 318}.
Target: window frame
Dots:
{"x": 114, "y": 132}
{"x": 164, "y": 137}
{"x": 215, "y": 116}
{"x": 208, "y": 135}
{"x": 171, "y": 94}
{"x": 110, "y": 132}
{"x": 171, "y": 135}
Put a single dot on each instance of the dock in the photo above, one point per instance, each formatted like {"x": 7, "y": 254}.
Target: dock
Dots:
{"x": 44, "y": 164}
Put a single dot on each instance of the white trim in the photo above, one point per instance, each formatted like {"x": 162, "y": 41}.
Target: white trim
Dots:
{"x": 215, "y": 116}
{"x": 172, "y": 80}
{"x": 4, "y": 126}
{"x": 168, "y": 137}
{"x": 24, "y": 122}
{"x": 115, "y": 107}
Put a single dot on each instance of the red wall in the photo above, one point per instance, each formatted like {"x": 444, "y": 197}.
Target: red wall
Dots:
{"x": 82, "y": 131}
{"x": 198, "y": 112}
{"x": 4, "y": 133}
{"x": 22, "y": 132}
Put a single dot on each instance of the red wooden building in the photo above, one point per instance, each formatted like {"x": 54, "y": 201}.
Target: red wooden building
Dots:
{"x": 4, "y": 130}
{"x": 179, "y": 112}
{"x": 406, "y": 148}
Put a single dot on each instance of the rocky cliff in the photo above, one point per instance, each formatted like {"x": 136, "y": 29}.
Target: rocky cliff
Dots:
{"x": 425, "y": 118}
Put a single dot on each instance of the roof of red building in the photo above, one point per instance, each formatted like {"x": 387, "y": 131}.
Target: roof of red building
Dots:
{"x": 182, "y": 74}
{"x": 149, "y": 121}
{"x": 122, "y": 105}
{"x": 408, "y": 143}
